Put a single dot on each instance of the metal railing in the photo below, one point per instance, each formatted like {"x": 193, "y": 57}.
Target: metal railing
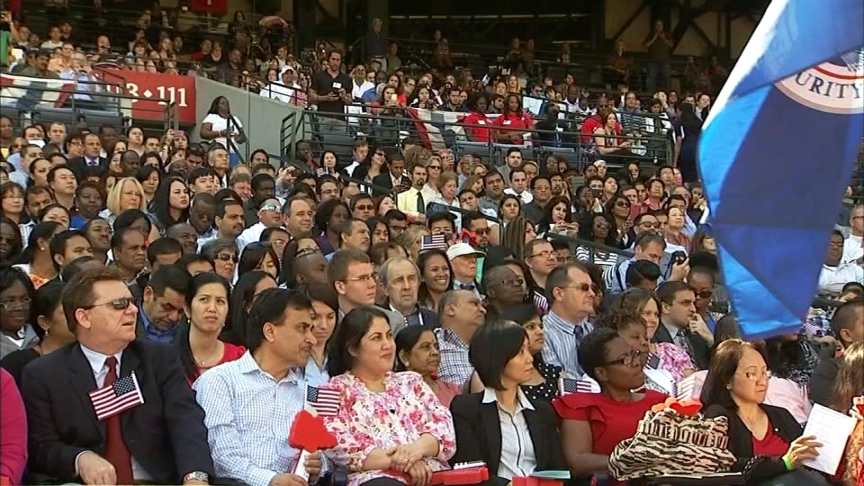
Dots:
{"x": 437, "y": 131}
{"x": 92, "y": 103}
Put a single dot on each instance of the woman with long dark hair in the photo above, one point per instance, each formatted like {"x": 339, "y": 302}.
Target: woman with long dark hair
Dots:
{"x": 246, "y": 290}
{"x": 170, "y": 204}
{"x": 149, "y": 177}
{"x": 325, "y": 308}
{"x": 206, "y": 311}
{"x": 792, "y": 358}
{"x": 543, "y": 384}
{"x": 513, "y": 123}
{"x": 417, "y": 351}
{"x": 328, "y": 217}
{"x": 35, "y": 260}
{"x": 219, "y": 125}
{"x": 599, "y": 228}
{"x": 436, "y": 278}
{"x": 258, "y": 256}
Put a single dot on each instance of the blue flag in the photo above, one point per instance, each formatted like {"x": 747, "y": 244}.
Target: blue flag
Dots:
{"x": 776, "y": 154}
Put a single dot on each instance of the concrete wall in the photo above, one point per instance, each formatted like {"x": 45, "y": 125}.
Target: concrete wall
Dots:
{"x": 261, "y": 117}
{"x": 712, "y": 23}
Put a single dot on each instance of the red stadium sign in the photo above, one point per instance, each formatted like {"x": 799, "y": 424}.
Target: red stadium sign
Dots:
{"x": 157, "y": 90}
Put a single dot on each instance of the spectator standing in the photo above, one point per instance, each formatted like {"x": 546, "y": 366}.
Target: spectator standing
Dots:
{"x": 659, "y": 44}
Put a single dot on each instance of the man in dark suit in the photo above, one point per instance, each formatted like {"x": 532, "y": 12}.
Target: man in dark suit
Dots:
{"x": 681, "y": 325}
{"x": 91, "y": 158}
{"x": 395, "y": 179}
{"x": 496, "y": 352}
{"x": 163, "y": 440}
{"x": 400, "y": 278}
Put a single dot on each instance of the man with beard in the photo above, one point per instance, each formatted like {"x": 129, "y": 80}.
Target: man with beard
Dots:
{"x": 412, "y": 202}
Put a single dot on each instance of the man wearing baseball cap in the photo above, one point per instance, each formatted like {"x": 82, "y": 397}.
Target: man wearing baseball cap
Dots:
{"x": 463, "y": 259}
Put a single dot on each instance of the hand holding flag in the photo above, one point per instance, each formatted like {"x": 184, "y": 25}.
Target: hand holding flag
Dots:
{"x": 117, "y": 397}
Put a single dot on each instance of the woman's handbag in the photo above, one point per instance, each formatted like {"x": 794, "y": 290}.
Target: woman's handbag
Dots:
{"x": 672, "y": 439}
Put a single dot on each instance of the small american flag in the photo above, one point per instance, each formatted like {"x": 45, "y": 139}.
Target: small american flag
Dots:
{"x": 573, "y": 385}
{"x": 653, "y": 361}
{"x": 324, "y": 402}
{"x": 434, "y": 242}
{"x": 120, "y": 396}
{"x": 684, "y": 389}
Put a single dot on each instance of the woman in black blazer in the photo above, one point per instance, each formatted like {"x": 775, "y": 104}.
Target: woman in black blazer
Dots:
{"x": 765, "y": 440}
{"x": 500, "y": 426}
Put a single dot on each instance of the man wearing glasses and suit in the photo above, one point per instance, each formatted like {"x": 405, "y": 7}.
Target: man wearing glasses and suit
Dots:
{"x": 162, "y": 440}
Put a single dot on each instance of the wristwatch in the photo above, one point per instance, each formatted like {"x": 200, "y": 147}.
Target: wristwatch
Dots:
{"x": 196, "y": 476}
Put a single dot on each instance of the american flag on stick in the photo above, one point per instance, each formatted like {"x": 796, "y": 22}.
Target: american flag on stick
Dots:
{"x": 684, "y": 389}
{"x": 574, "y": 385}
{"x": 117, "y": 397}
{"x": 323, "y": 401}
{"x": 434, "y": 242}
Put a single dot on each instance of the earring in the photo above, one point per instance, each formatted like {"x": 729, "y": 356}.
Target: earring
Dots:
{"x": 728, "y": 387}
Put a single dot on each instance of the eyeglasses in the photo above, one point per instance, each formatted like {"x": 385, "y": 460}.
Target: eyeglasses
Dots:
{"x": 308, "y": 251}
{"x": 647, "y": 224}
{"x": 628, "y": 359}
{"x": 434, "y": 167}
{"x": 364, "y": 208}
{"x": 705, "y": 294}
{"x": 515, "y": 282}
{"x": 583, "y": 287}
{"x": 755, "y": 376}
{"x": 542, "y": 254}
{"x": 20, "y": 304}
{"x": 622, "y": 204}
{"x": 269, "y": 207}
{"x": 225, "y": 257}
{"x": 122, "y": 303}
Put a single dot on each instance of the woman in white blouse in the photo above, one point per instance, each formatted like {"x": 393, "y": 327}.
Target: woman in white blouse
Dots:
{"x": 215, "y": 126}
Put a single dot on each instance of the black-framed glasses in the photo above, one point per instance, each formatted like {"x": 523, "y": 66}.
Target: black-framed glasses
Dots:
{"x": 308, "y": 251}
{"x": 628, "y": 359}
{"x": 226, "y": 257}
{"x": 705, "y": 294}
{"x": 122, "y": 303}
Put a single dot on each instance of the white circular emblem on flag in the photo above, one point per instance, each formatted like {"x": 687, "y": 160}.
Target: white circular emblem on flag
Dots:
{"x": 835, "y": 86}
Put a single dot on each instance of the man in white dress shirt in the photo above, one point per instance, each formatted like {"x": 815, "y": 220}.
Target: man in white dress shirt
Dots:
{"x": 251, "y": 403}
{"x": 853, "y": 247}
{"x": 269, "y": 216}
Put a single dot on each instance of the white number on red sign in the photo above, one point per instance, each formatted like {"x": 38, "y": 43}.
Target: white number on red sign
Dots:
{"x": 175, "y": 95}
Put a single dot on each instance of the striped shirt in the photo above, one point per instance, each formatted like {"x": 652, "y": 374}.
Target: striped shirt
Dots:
{"x": 562, "y": 345}
{"x": 455, "y": 367}
{"x": 248, "y": 415}
{"x": 517, "y": 449}
{"x": 604, "y": 259}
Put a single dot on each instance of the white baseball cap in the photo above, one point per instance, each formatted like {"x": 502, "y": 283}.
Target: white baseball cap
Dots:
{"x": 462, "y": 249}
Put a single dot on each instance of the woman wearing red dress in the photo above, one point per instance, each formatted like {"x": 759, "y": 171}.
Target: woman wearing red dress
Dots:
{"x": 592, "y": 424}
{"x": 206, "y": 311}
{"x": 513, "y": 122}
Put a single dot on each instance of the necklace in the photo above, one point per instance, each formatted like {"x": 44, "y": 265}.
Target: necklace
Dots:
{"x": 203, "y": 362}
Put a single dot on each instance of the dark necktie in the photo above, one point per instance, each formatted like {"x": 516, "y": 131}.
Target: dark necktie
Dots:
{"x": 466, "y": 286}
{"x": 92, "y": 163}
{"x": 578, "y": 335}
{"x": 116, "y": 451}
{"x": 421, "y": 206}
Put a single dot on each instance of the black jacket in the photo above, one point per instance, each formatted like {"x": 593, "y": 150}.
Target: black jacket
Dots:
{"x": 478, "y": 433}
{"x": 822, "y": 381}
{"x": 166, "y": 434}
{"x": 701, "y": 348}
{"x": 78, "y": 165}
{"x": 741, "y": 441}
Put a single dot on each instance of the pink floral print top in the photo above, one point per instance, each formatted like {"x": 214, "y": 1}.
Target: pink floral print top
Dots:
{"x": 370, "y": 420}
{"x": 673, "y": 359}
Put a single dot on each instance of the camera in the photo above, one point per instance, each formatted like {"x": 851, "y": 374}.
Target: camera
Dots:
{"x": 678, "y": 257}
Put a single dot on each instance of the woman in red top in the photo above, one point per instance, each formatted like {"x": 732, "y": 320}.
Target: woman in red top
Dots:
{"x": 476, "y": 120}
{"x": 206, "y": 311}
{"x": 13, "y": 431}
{"x": 765, "y": 440}
{"x": 513, "y": 121}
{"x": 592, "y": 424}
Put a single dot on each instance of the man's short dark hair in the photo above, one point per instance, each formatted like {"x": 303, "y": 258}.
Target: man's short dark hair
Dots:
{"x": 394, "y": 215}
{"x": 198, "y": 173}
{"x": 223, "y": 205}
{"x": 169, "y": 277}
{"x": 469, "y": 218}
{"x": 78, "y": 293}
{"x": 72, "y": 268}
{"x": 270, "y": 307}
{"x": 668, "y": 290}
{"x": 205, "y": 199}
{"x": 441, "y": 216}
{"x": 342, "y": 259}
{"x": 528, "y": 250}
{"x": 54, "y": 170}
{"x": 846, "y": 316}
{"x": 57, "y": 245}
{"x": 119, "y": 235}
{"x": 491, "y": 173}
{"x": 492, "y": 347}
{"x": 259, "y": 179}
{"x": 186, "y": 260}
{"x": 347, "y": 228}
{"x": 163, "y": 246}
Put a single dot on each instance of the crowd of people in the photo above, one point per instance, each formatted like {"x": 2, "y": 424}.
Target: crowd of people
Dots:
{"x": 435, "y": 308}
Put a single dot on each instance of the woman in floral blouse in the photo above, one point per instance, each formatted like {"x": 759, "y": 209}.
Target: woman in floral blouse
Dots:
{"x": 390, "y": 426}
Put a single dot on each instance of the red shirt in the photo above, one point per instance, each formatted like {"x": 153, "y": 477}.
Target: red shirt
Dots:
{"x": 13, "y": 430}
{"x": 610, "y": 421}
{"x": 591, "y": 125}
{"x": 771, "y": 445}
{"x": 515, "y": 122}
{"x": 479, "y": 134}
{"x": 230, "y": 353}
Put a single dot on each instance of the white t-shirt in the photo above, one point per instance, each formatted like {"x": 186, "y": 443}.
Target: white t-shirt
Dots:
{"x": 832, "y": 279}
{"x": 853, "y": 249}
{"x": 220, "y": 124}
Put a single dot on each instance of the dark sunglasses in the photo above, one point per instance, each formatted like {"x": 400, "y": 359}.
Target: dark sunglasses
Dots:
{"x": 705, "y": 294}
{"x": 227, "y": 258}
{"x": 122, "y": 303}
{"x": 364, "y": 208}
